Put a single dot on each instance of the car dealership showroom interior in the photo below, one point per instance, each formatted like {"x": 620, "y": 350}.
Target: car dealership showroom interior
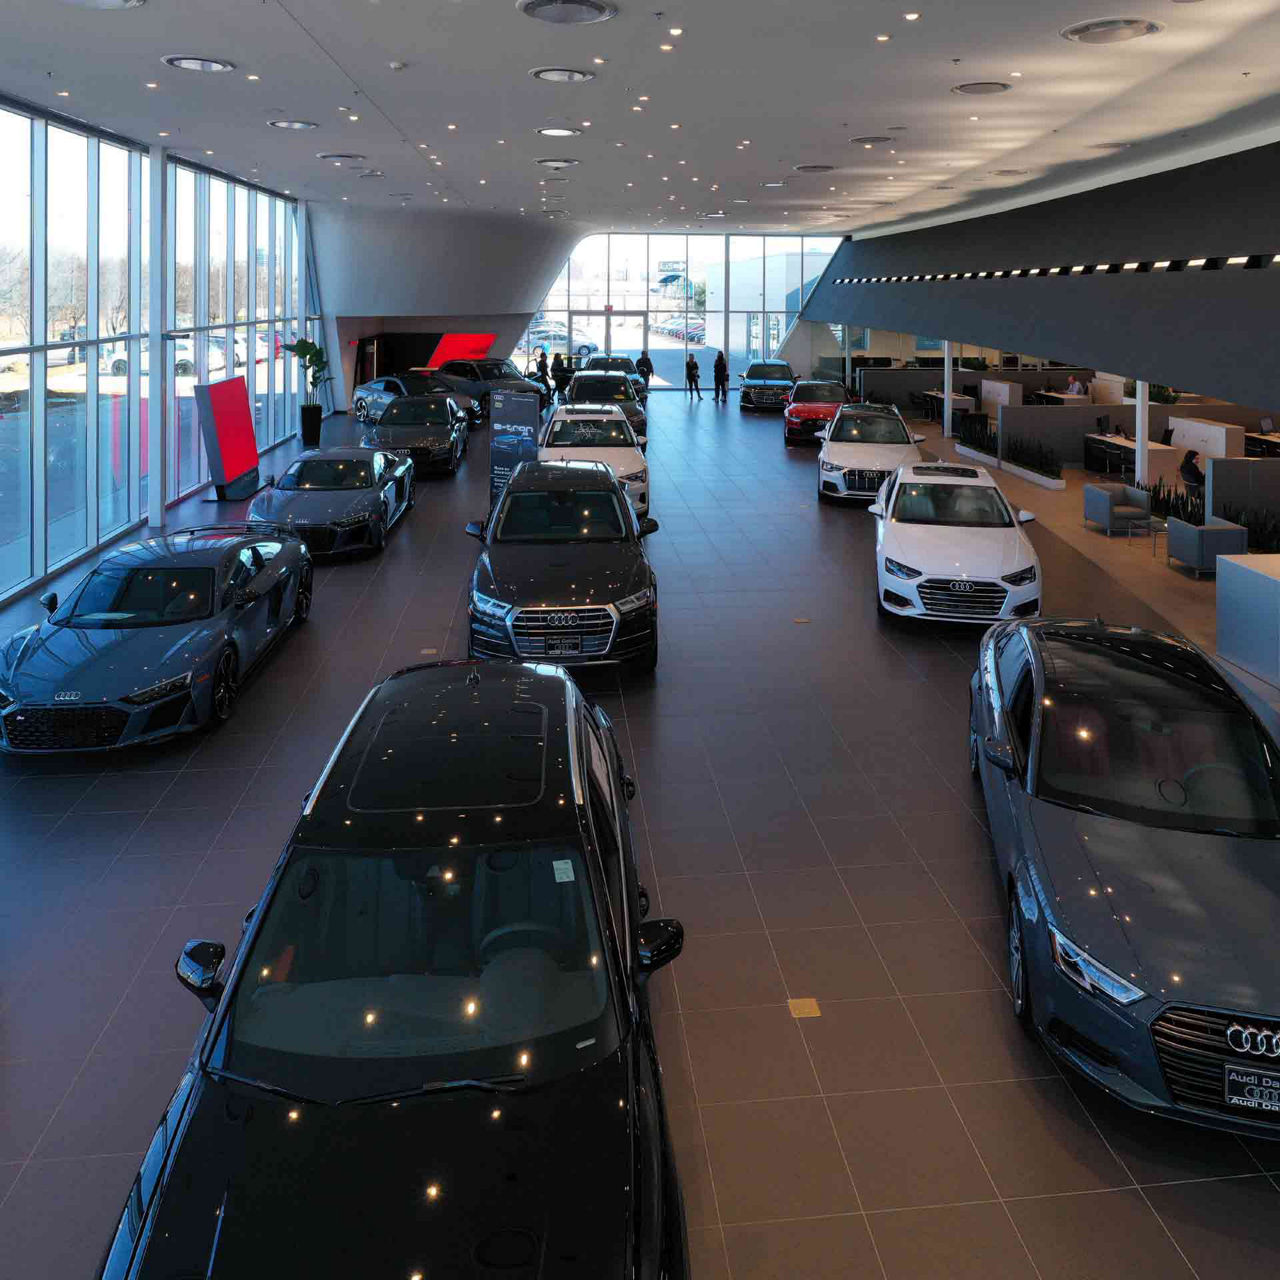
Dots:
{"x": 762, "y": 520}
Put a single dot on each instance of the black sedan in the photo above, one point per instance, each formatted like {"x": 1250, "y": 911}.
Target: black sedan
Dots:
{"x": 431, "y": 1052}
{"x": 432, "y": 430}
{"x": 563, "y": 574}
{"x": 765, "y": 385}
{"x": 1134, "y": 804}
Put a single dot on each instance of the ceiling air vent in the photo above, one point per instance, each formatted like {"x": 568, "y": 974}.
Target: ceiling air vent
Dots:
{"x": 870, "y": 140}
{"x": 1009, "y": 173}
{"x": 562, "y": 75}
{"x": 1110, "y": 30}
{"x": 982, "y": 88}
{"x": 337, "y": 155}
{"x": 568, "y": 12}
{"x": 815, "y": 168}
{"x": 557, "y": 163}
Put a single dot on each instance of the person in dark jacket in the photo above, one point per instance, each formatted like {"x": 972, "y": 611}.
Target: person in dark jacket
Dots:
{"x": 720, "y": 373}
{"x": 544, "y": 376}
{"x": 644, "y": 367}
{"x": 691, "y": 376}
{"x": 560, "y": 374}
{"x": 1190, "y": 472}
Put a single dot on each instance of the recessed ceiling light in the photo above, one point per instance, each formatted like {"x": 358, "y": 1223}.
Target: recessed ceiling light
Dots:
{"x": 675, "y": 126}
{"x": 164, "y": 133}
{"x": 151, "y": 84}
{"x": 63, "y": 93}
{"x": 562, "y": 75}
{"x": 338, "y": 155}
{"x": 556, "y": 162}
{"x": 883, "y": 39}
{"x": 981, "y": 88}
{"x": 451, "y": 126}
{"x": 586, "y": 124}
{"x": 599, "y": 61}
{"x": 776, "y": 183}
{"x": 346, "y": 197}
{"x": 1017, "y": 75}
{"x": 353, "y": 117}
{"x": 815, "y": 168}
{"x": 502, "y": 142}
{"x": 675, "y": 31}
{"x": 741, "y": 200}
{"x": 190, "y": 62}
{"x": 396, "y": 66}
{"x": 974, "y": 117}
{"x": 292, "y": 124}
{"x": 911, "y": 17}
{"x": 1110, "y": 30}
{"x": 644, "y": 97}
{"x": 422, "y": 146}
{"x": 208, "y": 153}
{"x": 666, "y": 48}
{"x": 619, "y": 144}
{"x": 252, "y": 76}
{"x": 559, "y": 131}
{"x": 568, "y": 12}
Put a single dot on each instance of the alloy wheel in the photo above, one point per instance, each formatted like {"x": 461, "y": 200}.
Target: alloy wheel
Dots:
{"x": 1018, "y": 963}
{"x": 224, "y": 686}
{"x": 302, "y": 601}
{"x": 412, "y": 499}
{"x": 362, "y": 411}
{"x": 975, "y": 764}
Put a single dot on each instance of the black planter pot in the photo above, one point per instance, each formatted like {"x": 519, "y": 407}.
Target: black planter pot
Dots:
{"x": 311, "y": 415}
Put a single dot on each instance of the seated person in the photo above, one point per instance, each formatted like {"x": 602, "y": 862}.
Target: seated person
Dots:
{"x": 1075, "y": 387}
{"x": 1189, "y": 471}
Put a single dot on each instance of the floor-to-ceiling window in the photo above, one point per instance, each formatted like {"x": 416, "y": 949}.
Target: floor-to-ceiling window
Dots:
{"x": 678, "y": 296}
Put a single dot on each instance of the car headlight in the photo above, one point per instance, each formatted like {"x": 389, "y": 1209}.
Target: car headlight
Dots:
{"x": 165, "y": 689}
{"x": 348, "y": 522}
{"x": 637, "y": 601}
{"x": 830, "y": 466}
{"x": 1086, "y": 972}
{"x": 1022, "y": 577}
{"x": 636, "y": 477}
{"x": 488, "y": 606}
{"x": 900, "y": 570}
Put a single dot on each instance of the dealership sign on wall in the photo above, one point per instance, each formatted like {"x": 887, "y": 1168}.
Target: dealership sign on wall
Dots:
{"x": 514, "y": 419}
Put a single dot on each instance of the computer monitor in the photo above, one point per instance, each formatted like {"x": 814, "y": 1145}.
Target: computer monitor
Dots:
{"x": 1266, "y": 426}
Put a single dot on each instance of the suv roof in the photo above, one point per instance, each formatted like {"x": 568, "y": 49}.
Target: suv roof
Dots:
{"x": 452, "y": 754}
{"x": 938, "y": 472}
{"x": 585, "y": 409}
{"x": 567, "y": 475}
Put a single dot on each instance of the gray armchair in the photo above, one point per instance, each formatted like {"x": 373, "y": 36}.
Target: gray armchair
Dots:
{"x": 1116, "y": 507}
{"x": 1200, "y": 545}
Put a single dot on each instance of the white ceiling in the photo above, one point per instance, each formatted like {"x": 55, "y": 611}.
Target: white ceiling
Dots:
{"x": 798, "y": 80}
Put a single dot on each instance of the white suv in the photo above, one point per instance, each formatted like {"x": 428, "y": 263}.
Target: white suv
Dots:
{"x": 599, "y": 433}
{"x": 863, "y": 445}
{"x": 951, "y": 548}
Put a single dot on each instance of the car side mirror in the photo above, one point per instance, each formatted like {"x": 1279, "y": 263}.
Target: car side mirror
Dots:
{"x": 648, "y": 525}
{"x": 1026, "y": 517}
{"x": 999, "y": 754}
{"x": 475, "y": 529}
{"x": 875, "y": 509}
{"x": 197, "y": 970}
{"x": 49, "y": 600}
{"x": 642, "y": 441}
{"x": 917, "y": 438}
{"x": 659, "y": 942}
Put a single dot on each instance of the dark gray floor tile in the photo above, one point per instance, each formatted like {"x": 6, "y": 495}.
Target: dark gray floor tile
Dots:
{"x": 838, "y": 793}
{"x": 780, "y": 844}
{"x": 830, "y": 964}
{"x": 972, "y": 886}
{"x": 728, "y": 971}
{"x": 834, "y": 1248}
{"x": 175, "y": 831}
{"x": 693, "y": 1168}
{"x": 932, "y": 956}
{"x": 156, "y": 1015}
{"x": 896, "y": 894}
{"x": 963, "y": 837}
{"x": 29, "y": 1093}
{"x": 960, "y": 1242}
{"x": 1226, "y": 1229}
{"x": 802, "y": 899}
{"x": 865, "y": 842}
{"x": 866, "y": 1044}
{"x": 694, "y": 851}
{"x": 219, "y": 922}
{"x": 732, "y": 1064}
{"x": 974, "y": 1037}
{"x": 711, "y": 904}
{"x": 706, "y": 1254}
{"x": 150, "y": 880}
{"x": 123, "y": 792}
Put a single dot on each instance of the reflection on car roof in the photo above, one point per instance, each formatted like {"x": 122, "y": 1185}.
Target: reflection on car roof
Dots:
{"x": 947, "y": 471}
{"x": 555, "y": 475}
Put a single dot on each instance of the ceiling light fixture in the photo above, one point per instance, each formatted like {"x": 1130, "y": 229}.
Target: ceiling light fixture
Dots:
{"x": 586, "y": 124}
{"x": 208, "y": 153}
{"x": 1110, "y": 30}
{"x": 451, "y": 126}
{"x": 559, "y": 131}
{"x": 556, "y": 162}
{"x": 63, "y": 93}
{"x": 666, "y": 48}
{"x": 981, "y": 88}
{"x": 562, "y": 75}
{"x": 338, "y": 155}
{"x": 974, "y": 117}
{"x": 637, "y": 108}
{"x": 675, "y": 31}
{"x": 190, "y": 62}
{"x": 815, "y": 168}
{"x": 775, "y": 183}
{"x": 1017, "y": 75}
{"x": 910, "y": 17}
{"x": 568, "y": 12}
{"x": 352, "y": 117}
{"x": 599, "y": 61}
{"x": 252, "y": 76}
{"x": 292, "y": 124}
{"x": 164, "y": 133}
{"x": 151, "y": 84}
{"x": 883, "y": 39}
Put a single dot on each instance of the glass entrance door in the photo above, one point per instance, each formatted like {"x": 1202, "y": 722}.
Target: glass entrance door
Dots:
{"x": 588, "y": 332}
{"x": 621, "y": 333}
{"x": 628, "y": 333}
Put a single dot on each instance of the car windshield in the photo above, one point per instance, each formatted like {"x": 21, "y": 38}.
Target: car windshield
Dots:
{"x": 601, "y": 389}
{"x": 967, "y": 505}
{"x": 618, "y": 364}
{"x": 773, "y": 372}
{"x": 490, "y": 369}
{"x": 590, "y": 433}
{"x": 382, "y": 971}
{"x": 416, "y": 411}
{"x": 868, "y": 428}
{"x": 1152, "y": 748}
{"x": 122, "y": 598}
{"x": 327, "y": 473}
{"x": 560, "y": 515}
{"x": 417, "y": 384}
{"x": 818, "y": 393}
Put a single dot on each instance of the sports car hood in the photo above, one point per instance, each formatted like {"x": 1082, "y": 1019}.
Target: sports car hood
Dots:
{"x": 313, "y": 506}
{"x": 561, "y": 573}
{"x": 1155, "y": 903}
{"x": 540, "y": 1191}
{"x": 949, "y": 552}
{"x": 101, "y": 666}
{"x": 870, "y": 457}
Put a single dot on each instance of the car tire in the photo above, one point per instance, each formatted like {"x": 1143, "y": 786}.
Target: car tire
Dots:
{"x": 975, "y": 749}
{"x": 362, "y": 411}
{"x": 1016, "y": 954}
{"x": 183, "y": 369}
{"x": 454, "y": 461}
{"x": 585, "y": 349}
{"x": 378, "y": 535}
{"x": 412, "y": 500}
{"x": 302, "y": 598}
{"x": 119, "y": 368}
{"x": 788, "y": 442}
{"x": 226, "y": 673}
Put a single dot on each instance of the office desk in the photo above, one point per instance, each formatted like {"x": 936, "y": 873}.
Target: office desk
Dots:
{"x": 1063, "y": 397}
{"x": 1257, "y": 445}
{"x": 959, "y": 403}
{"x": 1162, "y": 459}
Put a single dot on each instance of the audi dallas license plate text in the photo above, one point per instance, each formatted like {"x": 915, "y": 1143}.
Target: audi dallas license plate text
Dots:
{"x": 1251, "y": 1087}
{"x": 563, "y": 646}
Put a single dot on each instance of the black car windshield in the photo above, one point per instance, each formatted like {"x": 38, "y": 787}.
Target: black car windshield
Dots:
{"x": 1153, "y": 748}
{"x": 380, "y": 971}
{"x": 418, "y": 384}
{"x": 415, "y": 412}
{"x": 327, "y": 473}
{"x": 490, "y": 369}
{"x": 112, "y": 598}
{"x": 818, "y": 393}
{"x": 618, "y": 364}
{"x": 868, "y": 428}
{"x": 770, "y": 372}
{"x": 560, "y": 515}
{"x": 601, "y": 389}
{"x": 965, "y": 505}
{"x": 590, "y": 433}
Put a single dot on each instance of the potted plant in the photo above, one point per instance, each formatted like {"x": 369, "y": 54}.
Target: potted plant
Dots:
{"x": 316, "y": 368}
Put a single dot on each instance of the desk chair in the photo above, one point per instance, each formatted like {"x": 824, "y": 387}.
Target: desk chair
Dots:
{"x": 1114, "y": 458}
{"x": 1266, "y": 426}
{"x": 1104, "y": 424}
{"x": 1166, "y": 436}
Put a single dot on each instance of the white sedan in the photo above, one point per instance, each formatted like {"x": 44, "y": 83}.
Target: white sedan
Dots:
{"x": 861, "y": 448}
{"x": 599, "y": 433}
{"x": 950, "y": 547}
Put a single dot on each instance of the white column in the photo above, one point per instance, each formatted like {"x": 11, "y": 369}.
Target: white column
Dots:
{"x": 1141, "y": 469}
{"x": 157, "y": 451}
{"x": 948, "y": 378}
{"x": 39, "y": 335}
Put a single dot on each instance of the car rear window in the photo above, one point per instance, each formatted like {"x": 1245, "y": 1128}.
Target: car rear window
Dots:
{"x": 818, "y": 393}
{"x": 601, "y": 389}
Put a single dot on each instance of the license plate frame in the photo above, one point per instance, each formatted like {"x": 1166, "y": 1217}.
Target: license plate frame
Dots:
{"x": 564, "y": 646}
{"x": 1246, "y": 1087}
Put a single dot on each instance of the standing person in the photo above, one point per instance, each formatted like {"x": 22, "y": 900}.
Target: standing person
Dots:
{"x": 691, "y": 376}
{"x": 559, "y": 374}
{"x": 543, "y": 373}
{"x": 644, "y": 367}
{"x": 720, "y": 374}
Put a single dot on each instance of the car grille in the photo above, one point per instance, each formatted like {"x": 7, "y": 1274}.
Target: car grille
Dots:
{"x": 64, "y": 728}
{"x": 593, "y": 626}
{"x": 1192, "y": 1047}
{"x": 320, "y": 538}
{"x": 859, "y": 480}
{"x": 766, "y": 395}
{"x": 981, "y": 600}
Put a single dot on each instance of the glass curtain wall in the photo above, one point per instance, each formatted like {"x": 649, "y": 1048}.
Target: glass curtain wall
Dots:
{"x": 678, "y": 296}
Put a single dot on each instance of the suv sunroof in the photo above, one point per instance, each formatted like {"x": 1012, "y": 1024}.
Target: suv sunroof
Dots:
{"x": 963, "y": 473}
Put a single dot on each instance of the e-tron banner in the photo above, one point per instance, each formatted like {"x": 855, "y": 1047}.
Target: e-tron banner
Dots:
{"x": 514, "y": 420}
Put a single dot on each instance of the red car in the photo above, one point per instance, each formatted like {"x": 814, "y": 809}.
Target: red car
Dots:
{"x": 810, "y": 407}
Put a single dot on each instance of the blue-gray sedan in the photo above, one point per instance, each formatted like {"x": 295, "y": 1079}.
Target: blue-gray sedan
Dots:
{"x": 1134, "y": 804}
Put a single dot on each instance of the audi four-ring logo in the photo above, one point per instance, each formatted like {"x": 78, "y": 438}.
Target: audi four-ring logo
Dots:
{"x": 962, "y": 586}
{"x": 559, "y": 619}
{"x": 66, "y": 695}
{"x": 1254, "y": 1040}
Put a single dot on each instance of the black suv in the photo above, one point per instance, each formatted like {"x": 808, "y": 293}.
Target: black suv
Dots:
{"x": 766, "y": 385}
{"x": 431, "y": 1050}
{"x": 563, "y": 575}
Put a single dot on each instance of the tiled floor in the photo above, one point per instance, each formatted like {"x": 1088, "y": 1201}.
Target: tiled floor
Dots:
{"x": 804, "y": 808}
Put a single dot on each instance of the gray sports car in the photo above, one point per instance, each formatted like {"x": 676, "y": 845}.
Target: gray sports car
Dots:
{"x": 154, "y": 641}
{"x": 432, "y": 430}
{"x": 1134, "y": 804}
{"x": 339, "y": 499}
